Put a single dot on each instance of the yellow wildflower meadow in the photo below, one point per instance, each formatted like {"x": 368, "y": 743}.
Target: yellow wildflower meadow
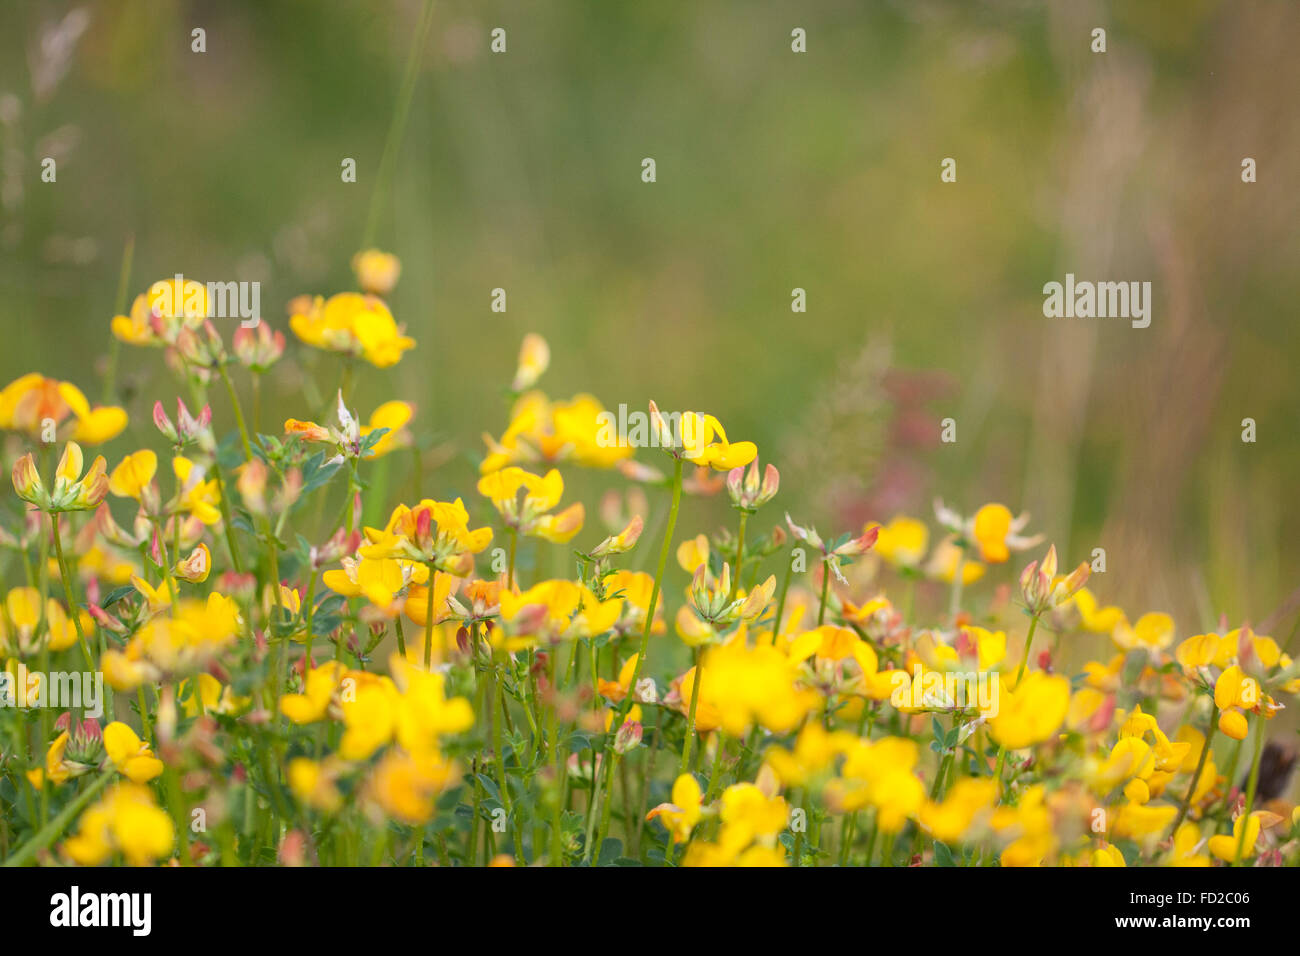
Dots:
{"x": 474, "y": 675}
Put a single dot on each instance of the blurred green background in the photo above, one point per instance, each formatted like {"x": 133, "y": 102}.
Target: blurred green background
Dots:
{"x": 775, "y": 170}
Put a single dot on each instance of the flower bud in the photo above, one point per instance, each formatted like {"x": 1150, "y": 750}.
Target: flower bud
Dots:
{"x": 377, "y": 272}
{"x": 661, "y": 434}
{"x": 252, "y": 485}
{"x": 27, "y": 482}
{"x": 257, "y": 348}
{"x": 196, "y": 567}
{"x": 620, "y": 543}
{"x": 534, "y": 358}
{"x": 164, "y": 424}
{"x": 628, "y": 736}
{"x": 645, "y": 691}
{"x": 748, "y": 492}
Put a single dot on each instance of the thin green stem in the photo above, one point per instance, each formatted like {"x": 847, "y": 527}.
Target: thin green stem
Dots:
{"x": 780, "y": 601}
{"x": 73, "y": 611}
{"x": 658, "y": 583}
{"x": 239, "y": 411}
{"x": 1251, "y": 788}
{"x": 428, "y": 621}
{"x": 383, "y": 177}
{"x": 50, "y": 832}
{"x": 1200, "y": 765}
{"x": 697, "y": 691}
{"x": 826, "y": 590}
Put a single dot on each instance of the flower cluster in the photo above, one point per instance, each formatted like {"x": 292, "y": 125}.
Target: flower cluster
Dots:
{"x": 483, "y": 677}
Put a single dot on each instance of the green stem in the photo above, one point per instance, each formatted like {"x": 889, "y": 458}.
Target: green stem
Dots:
{"x": 958, "y": 582}
{"x": 510, "y": 570}
{"x": 1251, "y": 787}
{"x": 714, "y": 777}
{"x": 826, "y": 588}
{"x": 239, "y": 411}
{"x": 780, "y": 601}
{"x": 383, "y": 176}
{"x": 73, "y": 611}
{"x": 1020, "y": 671}
{"x": 311, "y": 601}
{"x": 658, "y": 583}
{"x": 1200, "y": 765}
{"x": 48, "y": 833}
{"x": 428, "y": 621}
{"x": 697, "y": 691}
{"x": 740, "y": 557}
{"x": 1029, "y": 640}
{"x": 552, "y": 738}
{"x": 225, "y": 519}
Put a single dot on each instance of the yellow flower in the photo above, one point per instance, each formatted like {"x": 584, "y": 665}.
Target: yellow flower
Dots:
{"x": 529, "y": 515}
{"x": 197, "y": 497}
{"x": 394, "y": 416}
{"x": 880, "y": 773}
{"x": 693, "y": 553}
{"x": 703, "y": 442}
{"x": 29, "y": 402}
{"x": 992, "y": 526}
{"x": 1152, "y": 632}
{"x": 377, "y": 272}
{"x": 20, "y": 629}
{"x": 945, "y": 559}
{"x": 1235, "y": 689}
{"x": 369, "y": 715}
{"x": 160, "y": 315}
{"x": 403, "y": 786}
{"x": 555, "y": 611}
{"x": 353, "y": 324}
{"x": 313, "y": 783}
{"x": 1233, "y": 724}
{"x": 57, "y": 768}
{"x": 1187, "y": 841}
{"x": 130, "y": 478}
{"x": 212, "y": 697}
{"x": 72, "y": 491}
{"x": 1032, "y": 820}
{"x": 125, "y": 820}
{"x": 743, "y": 686}
{"x": 1196, "y": 652}
{"x": 1032, "y": 711}
{"x": 534, "y": 358}
{"x": 684, "y": 811}
{"x": 1143, "y": 822}
{"x": 903, "y": 541}
{"x": 544, "y": 431}
{"x": 1131, "y": 758}
{"x": 1095, "y": 618}
{"x": 129, "y": 754}
{"x": 416, "y": 606}
{"x": 1245, "y": 831}
{"x": 313, "y": 703}
{"x": 195, "y": 633}
{"x": 951, "y": 820}
{"x": 433, "y": 532}
{"x": 196, "y": 568}
{"x": 1108, "y": 855}
{"x": 424, "y": 713}
{"x": 379, "y": 580}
